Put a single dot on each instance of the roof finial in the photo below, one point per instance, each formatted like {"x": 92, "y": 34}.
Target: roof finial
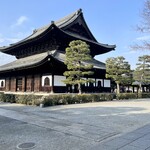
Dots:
{"x": 79, "y": 11}
{"x": 34, "y": 30}
{"x": 52, "y": 22}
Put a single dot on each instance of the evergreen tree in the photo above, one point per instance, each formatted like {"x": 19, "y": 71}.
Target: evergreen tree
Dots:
{"x": 118, "y": 70}
{"x": 77, "y": 55}
{"x": 142, "y": 71}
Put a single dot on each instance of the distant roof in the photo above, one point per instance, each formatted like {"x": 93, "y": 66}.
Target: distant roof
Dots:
{"x": 37, "y": 59}
{"x": 61, "y": 24}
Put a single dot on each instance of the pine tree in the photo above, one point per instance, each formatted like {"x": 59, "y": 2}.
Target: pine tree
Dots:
{"x": 142, "y": 71}
{"x": 77, "y": 55}
{"x": 118, "y": 70}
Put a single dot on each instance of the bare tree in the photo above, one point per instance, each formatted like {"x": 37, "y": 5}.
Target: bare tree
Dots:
{"x": 144, "y": 27}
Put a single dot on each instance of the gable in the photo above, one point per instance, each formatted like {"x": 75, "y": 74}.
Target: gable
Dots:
{"x": 80, "y": 28}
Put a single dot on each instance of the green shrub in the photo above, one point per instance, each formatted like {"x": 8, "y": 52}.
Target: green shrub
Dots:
{"x": 127, "y": 96}
{"x": 49, "y": 101}
{"x": 76, "y": 98}
{"x": 7, "y": 98}
{"x": 63, "y": 99}
{"x": 145, "y": 95}
{"x": 67, "y": 99}
{"x": 103, "y": 97}
{"x": 94, "y": 97}
{"x": 2, "y": 97}
{"x": 28, "y": 99}
{"x": 83, "y": 98}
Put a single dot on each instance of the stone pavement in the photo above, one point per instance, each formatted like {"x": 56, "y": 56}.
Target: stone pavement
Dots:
{"x": 115, "y": 125}
{"x": 135, "y": 140}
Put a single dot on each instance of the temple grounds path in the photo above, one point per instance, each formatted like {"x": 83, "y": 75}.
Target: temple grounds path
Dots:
{"x": 104, "y": 125}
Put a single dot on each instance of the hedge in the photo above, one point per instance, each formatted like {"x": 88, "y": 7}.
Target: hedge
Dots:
{"x": 51, "y": 100}
{"x": 63, "y": 99}
{"x": 126, "y": 96}
{"x": 75, "y": 98}
{"x": 28, "y": 99}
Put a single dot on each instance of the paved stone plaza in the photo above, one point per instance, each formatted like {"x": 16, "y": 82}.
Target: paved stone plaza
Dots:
{"x": 115, "y": 125}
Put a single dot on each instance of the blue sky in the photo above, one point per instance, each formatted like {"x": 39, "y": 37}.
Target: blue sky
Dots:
{"x": 110, "y": 21}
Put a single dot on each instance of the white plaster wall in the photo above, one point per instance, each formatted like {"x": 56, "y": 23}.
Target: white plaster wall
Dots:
{"x": 58, "y": 80}
{"x": 43, "y": 78}
{"x": 107, "y": 83}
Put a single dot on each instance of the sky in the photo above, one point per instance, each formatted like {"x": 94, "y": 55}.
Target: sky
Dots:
{"x": 112, "y": 22}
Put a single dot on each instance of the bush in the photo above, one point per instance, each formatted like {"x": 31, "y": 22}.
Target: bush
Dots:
{"x": 63, "y": 99}
{"x": 127, "y": 96}
{"x": 49, "y": 101}
{"x": 7, "y": 98}
{"x": 2, "y": 97}
{"x": 28, "y": 99}
{"x": 145, "y": 95}
{"x": 75, "y": 98}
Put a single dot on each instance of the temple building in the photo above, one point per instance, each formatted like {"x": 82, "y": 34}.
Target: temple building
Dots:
{"x": 40, "y": 58}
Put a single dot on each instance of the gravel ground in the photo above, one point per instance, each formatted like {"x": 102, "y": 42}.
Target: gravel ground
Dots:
{"x": 79, "y": 125}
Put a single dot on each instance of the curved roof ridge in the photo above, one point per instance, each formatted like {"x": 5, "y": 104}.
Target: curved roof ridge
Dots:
{"x": 62, "y": 21}
{"x": 83, "y": 38}
{"x": 66, "y": 20}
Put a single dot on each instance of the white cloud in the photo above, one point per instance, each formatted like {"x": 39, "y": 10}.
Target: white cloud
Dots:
{"x": 7, "y": 41}
{"x": 1, "y": 40}
{"x": 20, "y": 21}
{"x": 4, "y": 41}
{"x": 142, "y": 38}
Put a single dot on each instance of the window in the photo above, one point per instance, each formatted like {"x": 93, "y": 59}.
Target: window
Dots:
{"x": 106, "y": 83}
{"x": 2, "y": 84}
{"x": 47, "y": 82}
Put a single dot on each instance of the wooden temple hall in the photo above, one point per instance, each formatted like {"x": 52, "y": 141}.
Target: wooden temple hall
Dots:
{"x": 39, "y": 66}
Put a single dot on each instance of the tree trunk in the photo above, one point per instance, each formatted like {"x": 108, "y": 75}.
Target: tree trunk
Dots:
{"x": 79, "y": 88}
{"x": 118, "y": 88}
{"x": 140, "y": 88}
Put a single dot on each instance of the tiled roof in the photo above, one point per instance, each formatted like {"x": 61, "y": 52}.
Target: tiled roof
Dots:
{"x": 60, "y": 24}
{"x": 88, "y": 40}
{"x": 36, "y": 59}
{"x": 96, "y": 64}
{"x": 24, "y": 62}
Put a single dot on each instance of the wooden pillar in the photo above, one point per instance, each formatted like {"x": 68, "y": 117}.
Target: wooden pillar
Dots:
{"x": 10, "y": 84}
{"x": 7, "y": 84}
{"x": 13, "y": 84}
{"x": 23, "y": 84}
{"x": 32, "y": 83}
